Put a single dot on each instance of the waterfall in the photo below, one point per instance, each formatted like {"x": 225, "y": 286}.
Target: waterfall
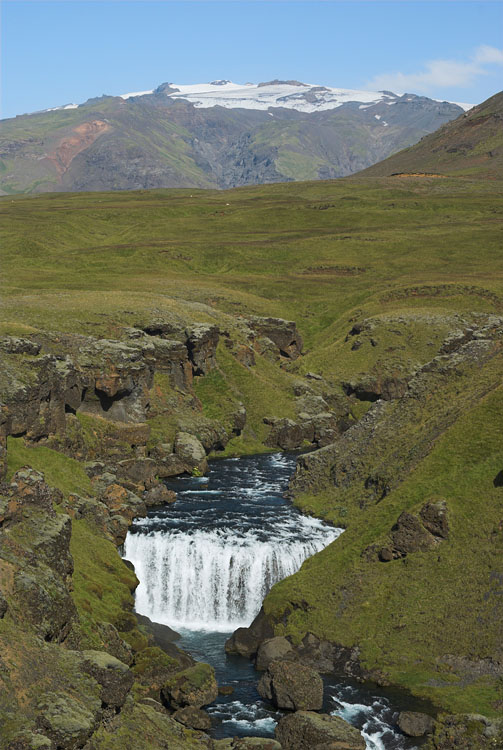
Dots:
{"x": 207, "y": 562}
{"x": 214, "y": 580}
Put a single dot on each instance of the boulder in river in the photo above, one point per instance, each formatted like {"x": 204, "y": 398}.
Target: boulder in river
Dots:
{"x": 159, "y": 495}
{"x": 415, "y": 724}
{"x": 245, "y": 641}
{"x": 306, "y": 730}
{"x": 192, "y": 717}
{"x": 277, "y": 648}
{"x": 195, "y": 686}
{"x": 191, "y": 452}
{"x": 291, "y": 685}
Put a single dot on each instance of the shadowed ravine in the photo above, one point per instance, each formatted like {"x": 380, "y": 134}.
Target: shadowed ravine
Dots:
{"x": 206, "y": 563}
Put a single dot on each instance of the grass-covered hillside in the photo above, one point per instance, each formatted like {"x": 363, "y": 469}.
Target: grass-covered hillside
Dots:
{"x": 396, "y": 287}
{"x": 471, "y": 145}
{"x": 320, "y": 253}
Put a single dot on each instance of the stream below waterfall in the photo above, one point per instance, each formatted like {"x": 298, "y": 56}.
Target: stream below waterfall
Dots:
{"x": 206, "y": 563}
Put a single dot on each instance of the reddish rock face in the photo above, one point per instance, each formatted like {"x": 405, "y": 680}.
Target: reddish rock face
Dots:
{"x": 69, "y": 147}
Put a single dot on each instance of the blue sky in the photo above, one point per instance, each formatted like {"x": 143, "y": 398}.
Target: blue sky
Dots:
{"x": 67, "y": 51}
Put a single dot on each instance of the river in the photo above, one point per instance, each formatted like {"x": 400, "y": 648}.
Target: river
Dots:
{"x": 206, "y": 563}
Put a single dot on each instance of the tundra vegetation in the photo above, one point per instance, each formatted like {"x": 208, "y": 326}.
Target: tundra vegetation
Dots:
{"x": 144, "y": 332}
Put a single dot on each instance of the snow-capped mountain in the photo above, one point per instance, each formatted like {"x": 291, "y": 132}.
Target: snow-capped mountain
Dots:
{"x": 219, "y": 134}
{"x": 302, "y": 97}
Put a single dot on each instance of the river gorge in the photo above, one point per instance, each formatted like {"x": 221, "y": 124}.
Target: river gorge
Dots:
{"x": 206, "y": 563}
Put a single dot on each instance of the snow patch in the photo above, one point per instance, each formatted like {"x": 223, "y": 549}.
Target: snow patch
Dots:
{"x": 463, "y": 105}
{"x": 302, "y": 97}
{"x": 63, "y": 106}
{"x": 136, "y": 93}
{"x": 299, "y": 96}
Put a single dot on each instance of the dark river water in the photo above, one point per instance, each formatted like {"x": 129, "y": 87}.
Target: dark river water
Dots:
{"x": 206, "y": 563}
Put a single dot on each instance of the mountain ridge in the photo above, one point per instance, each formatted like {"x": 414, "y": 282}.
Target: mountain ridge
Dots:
{"x": 470, "y": 145}
{"x": 163, "y": 139}
{"x": 303, "y": 97}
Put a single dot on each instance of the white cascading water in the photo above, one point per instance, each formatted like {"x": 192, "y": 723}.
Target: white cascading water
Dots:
{"x": 207, "y": 562}
{"x": 208, "y": 580}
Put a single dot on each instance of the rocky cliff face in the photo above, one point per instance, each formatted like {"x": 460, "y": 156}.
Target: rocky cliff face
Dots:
{"x": 392, "y": 477}
{"x": 102, "y": 379}
{"x": 78, "y": 670}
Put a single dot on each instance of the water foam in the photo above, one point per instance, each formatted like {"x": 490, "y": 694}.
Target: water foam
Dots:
{"x": 207, "y": 562}
{"x": 214, "y": 580}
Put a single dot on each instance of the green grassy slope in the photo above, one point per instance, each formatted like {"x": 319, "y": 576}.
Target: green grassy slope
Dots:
{"x": 471, "y": 145}
{"x": 417, "y": 618}
{"x": 410, "y": 256}
{"x": 314, "y": 252}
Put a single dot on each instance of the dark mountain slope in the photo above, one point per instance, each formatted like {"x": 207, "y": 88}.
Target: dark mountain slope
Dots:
{"x": 154, "y": 141}
{"x": 471, "y": 145}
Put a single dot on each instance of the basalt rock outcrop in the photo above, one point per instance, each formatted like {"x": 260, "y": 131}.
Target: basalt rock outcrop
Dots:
{"x": 50, "y": 380}
{"x": 361, "y": 459}
{"x": 35, "y": 557}
{"x": 412, "y": 533}
{"x": 323, "y": 413}
{"x": 283, "y": 334}
{"x": 292, "y": 686}
{"x": 305, "y": 730}
{"x": 96, "y": 399}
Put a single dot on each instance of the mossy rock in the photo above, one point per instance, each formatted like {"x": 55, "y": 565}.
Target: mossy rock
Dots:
{"x": 195, "y": 686}
{"x": 68, "y": 722}
{"x": 305, "y": 730}
{"x": 143, "y": 726}
{"x": 291, "y": 685}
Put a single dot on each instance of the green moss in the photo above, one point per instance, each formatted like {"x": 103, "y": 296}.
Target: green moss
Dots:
{"x": 60, "y": 471}
{"x": 144, "y": 726}
{"x": 415, "y": 627}
{"x": 102, "y": 582}
{"x": 154, "y": 657}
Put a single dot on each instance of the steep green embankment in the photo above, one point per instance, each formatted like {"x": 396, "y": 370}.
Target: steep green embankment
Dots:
{"x": 429, "y": 619}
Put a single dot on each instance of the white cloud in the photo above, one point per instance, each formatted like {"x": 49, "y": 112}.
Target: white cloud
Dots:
{"x": 440, "y": 73}
{"x": 486, "y": 54}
